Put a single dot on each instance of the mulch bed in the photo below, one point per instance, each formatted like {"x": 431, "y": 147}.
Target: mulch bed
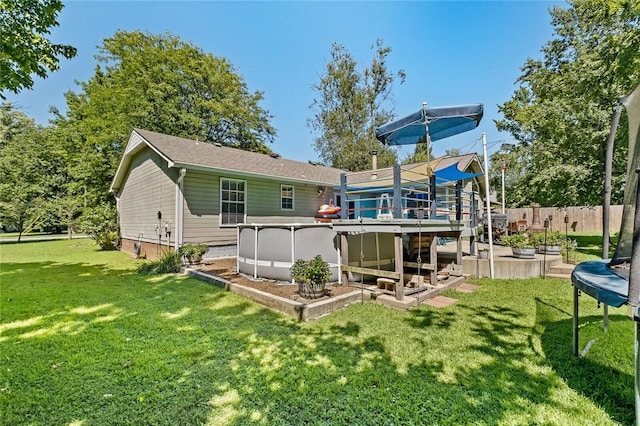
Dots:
{"x": 226, "y": 268}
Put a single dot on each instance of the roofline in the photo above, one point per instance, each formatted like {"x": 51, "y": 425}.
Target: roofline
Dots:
{"x": 126, "y": 160}
{"x": 243, "y": 173}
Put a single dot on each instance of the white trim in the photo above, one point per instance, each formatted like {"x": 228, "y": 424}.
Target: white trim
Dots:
{"x": 244, "y": 192}
{"x": 293, "y": 197}
{"x": 179, "y": 216}
{"x": 251, "y": 174}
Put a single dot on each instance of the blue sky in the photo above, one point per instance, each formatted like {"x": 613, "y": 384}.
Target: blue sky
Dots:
{"x": 453, "y": 52}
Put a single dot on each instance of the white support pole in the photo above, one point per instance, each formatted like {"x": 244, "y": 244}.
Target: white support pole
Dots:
{"x": 503, "y": 210}
{"x": 488, "y": 203}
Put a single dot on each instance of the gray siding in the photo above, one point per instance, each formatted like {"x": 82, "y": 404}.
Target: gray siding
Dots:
{"x": 202, "y": 206}
{"x": 149, "y": 187}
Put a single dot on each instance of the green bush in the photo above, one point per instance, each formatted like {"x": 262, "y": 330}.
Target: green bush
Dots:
{"x": 169, "y": 263}
{"x": 311, "y": 271}
{"x": 553, "y": 238}
{"x": 101, "y": 224}
{"x": 516, "y": 240}
{"x": 193, "y": 252}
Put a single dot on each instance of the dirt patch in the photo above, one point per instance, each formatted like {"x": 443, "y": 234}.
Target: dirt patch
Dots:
{"x": 226, "y": 268}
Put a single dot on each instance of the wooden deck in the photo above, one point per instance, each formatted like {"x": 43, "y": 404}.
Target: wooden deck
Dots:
{"x": 422, "y": 236}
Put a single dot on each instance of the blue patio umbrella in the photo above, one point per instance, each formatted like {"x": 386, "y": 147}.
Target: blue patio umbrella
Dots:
{"x": 430, "y": 124}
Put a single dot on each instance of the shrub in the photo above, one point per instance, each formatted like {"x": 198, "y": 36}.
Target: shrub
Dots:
{"x": 553, "y": 238}
{"x": 516, "y": 240}
{"x": 312, "y": 271}
{"x": 193, "y": 252}
{"x": 169, "y": 263}
{"x": 101, "y": 224}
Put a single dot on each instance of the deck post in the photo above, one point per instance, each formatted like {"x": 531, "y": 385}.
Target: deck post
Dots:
{"x": 344, "y": 253}
{"x": 459, "y": 200}
{"x": 433, "y": 211}
{"x": 473, "y": 223}
{"x": 399, "y": 266}
{"x": 397, "y": 191}
{"x": 433, "y": 259}
{"x": 343, "y": 196}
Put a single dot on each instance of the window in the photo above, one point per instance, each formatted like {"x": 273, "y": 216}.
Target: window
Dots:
{"x": 232, "y": 201}
{"x": 286, "y": 197}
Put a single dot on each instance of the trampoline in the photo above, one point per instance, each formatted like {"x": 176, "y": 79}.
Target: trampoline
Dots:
{"x": 616, "y": 282}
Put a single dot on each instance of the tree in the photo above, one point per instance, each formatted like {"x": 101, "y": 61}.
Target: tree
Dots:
{"x": 25, "y": 48}
{"x": 28, "y": 175}
{"x": 421, "y": 153}
{"x": 349, "y": 106}
{"x": 453, "y": 152}
{"x": 561, "y": 113}
{"x": 159, "y": 83}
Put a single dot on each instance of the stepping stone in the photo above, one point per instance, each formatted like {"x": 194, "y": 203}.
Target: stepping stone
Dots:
{"x": 467, "y": 288}
{"x": 440, "y": 301}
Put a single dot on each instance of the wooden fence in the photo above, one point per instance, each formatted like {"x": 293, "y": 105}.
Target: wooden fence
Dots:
{"x": 581, "y": 219}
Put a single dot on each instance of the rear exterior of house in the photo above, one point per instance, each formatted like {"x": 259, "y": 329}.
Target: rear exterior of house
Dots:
{"x": 173, "y": 191}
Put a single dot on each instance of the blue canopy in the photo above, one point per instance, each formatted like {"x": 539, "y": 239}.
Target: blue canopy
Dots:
{"x": 453, "y": 173}
{"x": 434, "y": 123}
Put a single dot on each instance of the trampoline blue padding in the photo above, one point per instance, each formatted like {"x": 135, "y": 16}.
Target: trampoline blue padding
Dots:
{"x": 598, "y": 281}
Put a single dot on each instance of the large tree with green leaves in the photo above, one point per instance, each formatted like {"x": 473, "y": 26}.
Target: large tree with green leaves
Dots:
{"x": 25, "y": 48}
{"x": 422, "y": 152}
{"x": 349, "y": 105}
{"x": 159, "y": 83}
{"x": 30, "y": 173}
{"x": 561, "y": 113}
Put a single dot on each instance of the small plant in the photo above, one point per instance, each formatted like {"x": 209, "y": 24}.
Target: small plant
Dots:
{"x": 312, "y": 271}
{"x": 311, "y": 276}
{"x": 516, "y": 240}
{"x": 568, "y": 250}
{"x": 193, "y": 252}
{"x": 553, "y": 238}
{"x": 169, "y": 263}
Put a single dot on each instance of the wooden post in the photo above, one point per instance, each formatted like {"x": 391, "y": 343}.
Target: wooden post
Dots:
{"x": 433, "y": 259}
{"x": 344, "y": 214}
{"x": 459, "y": 200}
{"x": 397, "y": 191}
{"x": 344, "y": 253}
{"x": 399, "y": 266}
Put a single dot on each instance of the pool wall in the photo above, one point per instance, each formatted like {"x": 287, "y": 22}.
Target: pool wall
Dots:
{"x": 269, "y": 250}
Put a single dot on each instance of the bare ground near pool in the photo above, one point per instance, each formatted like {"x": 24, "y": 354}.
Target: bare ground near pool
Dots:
{"x": 226, "y": 268}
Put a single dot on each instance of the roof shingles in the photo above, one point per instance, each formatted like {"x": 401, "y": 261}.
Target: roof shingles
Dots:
{"x": 187, "y": 152}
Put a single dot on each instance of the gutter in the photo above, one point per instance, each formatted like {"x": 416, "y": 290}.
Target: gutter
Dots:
{"x": 179, "y": 216}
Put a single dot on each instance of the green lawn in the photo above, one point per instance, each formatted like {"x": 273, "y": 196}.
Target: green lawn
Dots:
{"x": 86, "y": 341}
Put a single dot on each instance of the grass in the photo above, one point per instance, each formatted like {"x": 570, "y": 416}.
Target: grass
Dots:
{"x": 84, "y": 340}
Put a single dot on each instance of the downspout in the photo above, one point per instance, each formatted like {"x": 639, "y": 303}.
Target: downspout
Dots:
{"x": 179, "y": 208}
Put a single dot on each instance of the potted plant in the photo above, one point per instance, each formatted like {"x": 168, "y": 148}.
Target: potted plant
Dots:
{"x": 193, "y": 252}
{"x": 551, "y": 243}
{"x": 311, "y": 276}
{"x": 520, "y": 244}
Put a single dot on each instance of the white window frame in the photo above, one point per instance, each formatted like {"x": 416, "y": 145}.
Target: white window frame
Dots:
{"x": 292, "y": 197}
{"x": 244, "y": 202}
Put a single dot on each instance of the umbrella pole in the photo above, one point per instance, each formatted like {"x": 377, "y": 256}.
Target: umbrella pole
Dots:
{"x": 486, "y": 184}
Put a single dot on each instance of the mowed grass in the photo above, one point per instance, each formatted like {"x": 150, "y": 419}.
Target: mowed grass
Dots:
{"x": 86, "y": 341}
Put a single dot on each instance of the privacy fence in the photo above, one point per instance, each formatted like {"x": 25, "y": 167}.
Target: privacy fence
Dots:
{"x": 580, "y": 219}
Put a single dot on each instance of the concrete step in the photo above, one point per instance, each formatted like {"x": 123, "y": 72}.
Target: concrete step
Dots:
{"x": 562, "y": 268}
{"x": 561, "y": 276}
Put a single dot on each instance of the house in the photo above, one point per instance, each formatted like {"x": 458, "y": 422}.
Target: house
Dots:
{"x": 171, "y": 191}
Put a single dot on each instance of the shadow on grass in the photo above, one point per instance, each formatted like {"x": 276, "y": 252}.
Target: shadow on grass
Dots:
{"x": 604, "y": 384}
{"x": 179, "y": 351}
